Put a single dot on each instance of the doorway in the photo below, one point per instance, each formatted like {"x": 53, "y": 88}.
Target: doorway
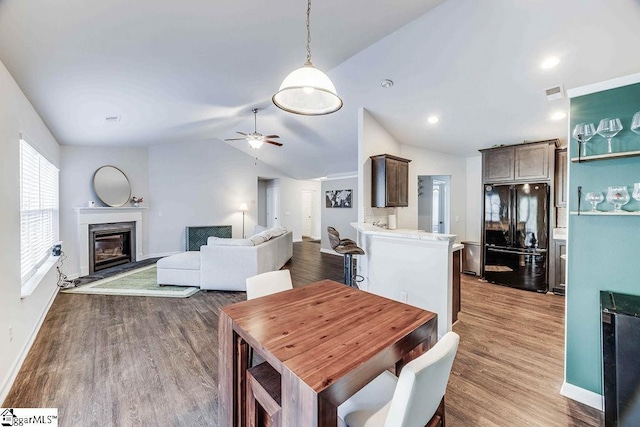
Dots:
{"x": 307, "y": 213}
{"x": 273, "y": 206}
{"x": 434, "y": 203}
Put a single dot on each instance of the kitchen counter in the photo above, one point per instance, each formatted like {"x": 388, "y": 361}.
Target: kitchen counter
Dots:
{"x": 401, "y": 232}
{"x": 411, "y": 266}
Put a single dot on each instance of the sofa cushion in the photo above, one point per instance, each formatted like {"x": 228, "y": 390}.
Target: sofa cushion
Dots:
{"x": 277, "y": 231}
{"x": 229, "y": 242}
{"x": 183, "y": 261}
{"x": 260, "y": 238}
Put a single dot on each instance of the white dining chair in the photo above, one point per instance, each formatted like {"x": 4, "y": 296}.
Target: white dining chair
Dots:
{"x": 268, "y": 283}
{"x": 410, "y": 400}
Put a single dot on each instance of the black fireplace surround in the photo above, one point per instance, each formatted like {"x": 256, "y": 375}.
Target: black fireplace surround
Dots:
{"x": 111, "y": 244}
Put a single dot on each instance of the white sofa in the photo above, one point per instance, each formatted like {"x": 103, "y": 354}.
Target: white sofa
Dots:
{"x": 225, "y": 264}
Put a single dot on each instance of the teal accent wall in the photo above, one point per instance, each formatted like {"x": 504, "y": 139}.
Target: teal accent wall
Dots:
{"x": 603, "y": 251}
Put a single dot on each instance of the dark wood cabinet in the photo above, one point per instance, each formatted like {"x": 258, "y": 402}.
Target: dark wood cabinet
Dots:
{"x": 389, "y": 181}
{"x": 456, "y": 286}
{"x": 498, "y": 164}
{"x": 516, "y": 163}
{"x": 561, "y": 178}
{"x": 557, "y": 267}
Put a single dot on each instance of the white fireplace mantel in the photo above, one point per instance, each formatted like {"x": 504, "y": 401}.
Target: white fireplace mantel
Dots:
{"x": 102, "y": 215}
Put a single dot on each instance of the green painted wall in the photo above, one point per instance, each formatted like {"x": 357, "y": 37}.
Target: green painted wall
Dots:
{"x": 603, "y": 251}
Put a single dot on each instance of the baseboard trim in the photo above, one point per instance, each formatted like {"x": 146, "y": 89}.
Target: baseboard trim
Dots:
{"x": 329, "y": 251}
{"x": 582, "y": 395}
{"x": 17, "y": 364}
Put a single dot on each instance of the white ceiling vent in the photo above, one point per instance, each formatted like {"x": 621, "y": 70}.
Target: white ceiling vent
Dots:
{"x": 556, "y": 92}
{"x": 112, "y": 119}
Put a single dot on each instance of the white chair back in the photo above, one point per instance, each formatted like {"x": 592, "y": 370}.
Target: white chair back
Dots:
{"x": 268, "y": 283}
{"x": 422, "y": 384}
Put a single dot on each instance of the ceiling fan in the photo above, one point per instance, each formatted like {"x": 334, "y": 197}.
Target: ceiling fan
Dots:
{"x": 256, "y": 139}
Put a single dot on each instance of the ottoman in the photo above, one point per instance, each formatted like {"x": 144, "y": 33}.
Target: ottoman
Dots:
{"x": 180, "y": 269}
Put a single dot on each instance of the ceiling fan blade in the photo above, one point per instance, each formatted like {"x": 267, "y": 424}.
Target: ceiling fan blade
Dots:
{"x": 273, "y": 142}
{"x": 242, "y": 133}
{"x": 271, "y": 136}
{"x": 236, "y": 139}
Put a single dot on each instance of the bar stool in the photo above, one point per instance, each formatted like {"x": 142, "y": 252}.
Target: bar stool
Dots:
{"x": 348, "y": 248}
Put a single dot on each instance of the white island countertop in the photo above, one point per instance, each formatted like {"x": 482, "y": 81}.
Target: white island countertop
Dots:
{"x": 405, "y": 233}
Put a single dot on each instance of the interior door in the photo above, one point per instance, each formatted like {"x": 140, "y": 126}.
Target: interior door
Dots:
{"x": 273, "y": 207}
{"x": 307, "y": 213}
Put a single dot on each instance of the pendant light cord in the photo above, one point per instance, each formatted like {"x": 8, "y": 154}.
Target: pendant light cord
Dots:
{"x": 308, "y": 34}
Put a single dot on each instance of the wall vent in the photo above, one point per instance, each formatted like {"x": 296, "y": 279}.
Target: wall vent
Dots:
{"x": 556, "y": 92}
{"x": 112, "y": 119}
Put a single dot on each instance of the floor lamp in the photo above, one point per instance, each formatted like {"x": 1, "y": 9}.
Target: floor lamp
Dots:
{"x": 243, "y": 209}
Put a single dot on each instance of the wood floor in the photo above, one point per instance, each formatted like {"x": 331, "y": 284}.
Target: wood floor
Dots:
{"x": 110, "y": 360}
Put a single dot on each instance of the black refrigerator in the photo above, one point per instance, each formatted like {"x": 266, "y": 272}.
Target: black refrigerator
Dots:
{"x": 516, "y": 235}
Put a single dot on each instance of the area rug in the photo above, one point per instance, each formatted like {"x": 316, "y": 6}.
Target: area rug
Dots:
{"x": 140, "y": 282}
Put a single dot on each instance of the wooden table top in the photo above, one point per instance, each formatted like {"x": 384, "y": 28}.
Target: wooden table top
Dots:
{"x": 327, "y": 333}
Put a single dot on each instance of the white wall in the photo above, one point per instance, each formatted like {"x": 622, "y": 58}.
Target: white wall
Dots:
{"x": 262, "y": 202}
{"x": 474, "y": 198}
{"x": 426, "y": 162}
{"x": 23, "y": 315}
{"x": 373, "y": 139}
{"x": 291, "y": 206}
{"x": 339, "y": 218}
{"x": 203, "y": 183}
{"x": 76, "y": 183}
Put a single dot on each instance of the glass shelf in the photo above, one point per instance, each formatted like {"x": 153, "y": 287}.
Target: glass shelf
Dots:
{"x": 607, "y": 213}
{"x": 606, "y": 156}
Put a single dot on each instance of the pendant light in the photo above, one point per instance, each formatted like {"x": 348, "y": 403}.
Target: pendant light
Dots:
{"x": 307, "y": 90}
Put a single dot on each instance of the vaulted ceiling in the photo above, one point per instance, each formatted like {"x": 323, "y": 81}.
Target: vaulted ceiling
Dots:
{"x": 178, "y": 71}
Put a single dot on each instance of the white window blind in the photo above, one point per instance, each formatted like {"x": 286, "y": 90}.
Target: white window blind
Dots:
{"x": 38, "y": 209}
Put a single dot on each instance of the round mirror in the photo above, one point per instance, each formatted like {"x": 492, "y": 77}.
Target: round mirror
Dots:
{"x": 112, "y": 186}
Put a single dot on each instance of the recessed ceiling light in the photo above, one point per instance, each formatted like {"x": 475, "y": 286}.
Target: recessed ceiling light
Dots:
{"x": 433, "y": 120}
{"x": 550, "y": 62}
{"x": 386, "y": 83}
{"x": 558, "y": 115}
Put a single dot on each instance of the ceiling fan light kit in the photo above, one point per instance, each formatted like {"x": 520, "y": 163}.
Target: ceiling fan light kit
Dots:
{"x": 256, "y": 139}
{"x": 307, "y": 90}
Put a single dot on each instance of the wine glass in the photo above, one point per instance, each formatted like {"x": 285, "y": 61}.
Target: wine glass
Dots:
{"x": 594, "y": 198}
{"x": 586, "y": 131}
{"x": 636, "y": 191}
{"x": 635, "y": 123}
{"x": 608, "y": 128}
{"x": 618, "y": 196}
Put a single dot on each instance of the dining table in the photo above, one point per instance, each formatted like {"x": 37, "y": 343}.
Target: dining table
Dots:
{"x": 325, "y": 339}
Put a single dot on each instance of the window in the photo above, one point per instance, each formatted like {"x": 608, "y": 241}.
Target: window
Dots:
{"x": 38, "y": 209}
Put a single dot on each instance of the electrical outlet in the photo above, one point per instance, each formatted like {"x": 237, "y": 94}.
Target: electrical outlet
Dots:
{"x": 457, "y": 218}
{"x": 10, "y": 333}
{"x": 404, "y": 296}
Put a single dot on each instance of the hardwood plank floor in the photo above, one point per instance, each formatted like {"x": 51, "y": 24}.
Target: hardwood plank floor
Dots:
{"x": 111, "y": 360}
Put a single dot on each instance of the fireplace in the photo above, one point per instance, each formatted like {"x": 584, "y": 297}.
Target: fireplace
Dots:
{"x": 111, "y": 244}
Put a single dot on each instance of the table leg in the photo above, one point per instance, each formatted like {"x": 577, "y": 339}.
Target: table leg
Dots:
{"x": 232, "y": 369}
{"x": 227, "y": 381}
{"x": 242, "y": 356}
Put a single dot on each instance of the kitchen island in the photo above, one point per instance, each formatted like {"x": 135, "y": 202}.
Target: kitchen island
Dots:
{"x": 412, "y": 266}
